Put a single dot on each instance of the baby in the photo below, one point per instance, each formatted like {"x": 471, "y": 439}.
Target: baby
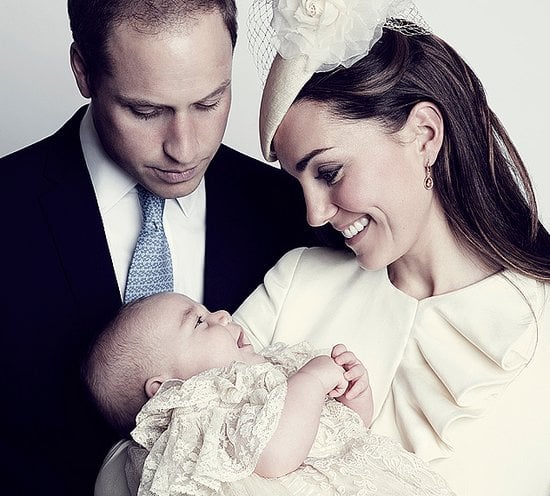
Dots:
{"x": 218, "y": 418}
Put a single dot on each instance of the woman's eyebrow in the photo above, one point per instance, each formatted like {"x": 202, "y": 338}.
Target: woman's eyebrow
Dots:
{"x": 302, "y": 164}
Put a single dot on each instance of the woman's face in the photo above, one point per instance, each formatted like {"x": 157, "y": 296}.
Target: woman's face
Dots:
{"x": 368, "y": 184}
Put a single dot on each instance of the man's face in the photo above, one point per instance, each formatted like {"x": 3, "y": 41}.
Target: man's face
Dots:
{"x": 162, "y": 113}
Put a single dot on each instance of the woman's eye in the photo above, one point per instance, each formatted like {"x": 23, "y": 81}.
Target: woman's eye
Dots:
{"x": 330, "y": 176}
{"x": 199, "y": 321}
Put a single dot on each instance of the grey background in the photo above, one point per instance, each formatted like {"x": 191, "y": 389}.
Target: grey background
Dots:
{"x": 505, "y": 42}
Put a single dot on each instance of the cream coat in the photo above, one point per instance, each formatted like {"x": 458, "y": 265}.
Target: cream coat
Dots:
{"x": 461, "y": 379}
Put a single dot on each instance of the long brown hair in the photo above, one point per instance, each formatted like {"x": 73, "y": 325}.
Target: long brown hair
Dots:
{"x": 480, "y": 179}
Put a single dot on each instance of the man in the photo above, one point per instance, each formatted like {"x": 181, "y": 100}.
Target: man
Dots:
{"x": 159, "y": 78}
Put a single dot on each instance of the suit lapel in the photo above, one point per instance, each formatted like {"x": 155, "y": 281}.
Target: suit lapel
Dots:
{"x": 71, "y": 210}
{"x": 225, "y": 244}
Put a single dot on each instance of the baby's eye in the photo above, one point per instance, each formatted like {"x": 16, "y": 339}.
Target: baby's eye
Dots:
{"x": 199, "y": 321}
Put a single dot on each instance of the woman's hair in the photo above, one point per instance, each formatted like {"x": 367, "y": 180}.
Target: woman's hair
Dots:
{"x": 479, "y": 177}
{"x": 117, "y": 367}
{"x": 92, "y": 23}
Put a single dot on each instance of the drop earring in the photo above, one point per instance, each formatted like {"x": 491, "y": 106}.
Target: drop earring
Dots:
{"x": 428, "y": 179}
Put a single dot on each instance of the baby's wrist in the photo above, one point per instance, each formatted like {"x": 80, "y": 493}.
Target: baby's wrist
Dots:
{"x": 314, "y": 380}
{"x": 324, "y": 371}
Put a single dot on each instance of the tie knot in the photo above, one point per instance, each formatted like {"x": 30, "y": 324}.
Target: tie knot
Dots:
{"x": 152, "y": 206}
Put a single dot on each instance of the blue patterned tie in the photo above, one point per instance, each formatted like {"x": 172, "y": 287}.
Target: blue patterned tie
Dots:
{"x": 151, "y": 266}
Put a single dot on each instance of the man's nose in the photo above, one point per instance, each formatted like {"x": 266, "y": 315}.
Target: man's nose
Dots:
{"x": 180, "y": 140}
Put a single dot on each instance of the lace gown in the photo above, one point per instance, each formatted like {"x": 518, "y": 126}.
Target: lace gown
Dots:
{"x": 205, "y": 436}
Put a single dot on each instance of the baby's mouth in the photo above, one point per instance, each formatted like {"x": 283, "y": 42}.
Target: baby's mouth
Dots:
{"x": 240, "y": 340}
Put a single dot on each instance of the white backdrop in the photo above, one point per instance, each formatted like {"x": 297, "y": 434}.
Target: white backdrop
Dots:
{"x": 506, "y": 43}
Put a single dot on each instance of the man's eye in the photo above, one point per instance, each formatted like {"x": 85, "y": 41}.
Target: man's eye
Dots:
{"x": 145, "y": 115}
{"x": 208, "y": 106}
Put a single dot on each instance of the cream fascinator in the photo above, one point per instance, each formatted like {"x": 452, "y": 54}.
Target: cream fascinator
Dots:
{"x": 292, "y": 39}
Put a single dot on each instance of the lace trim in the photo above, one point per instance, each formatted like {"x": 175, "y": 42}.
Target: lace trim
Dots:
{"x": 209, "y": 429}
{"x": 205, "y": 436}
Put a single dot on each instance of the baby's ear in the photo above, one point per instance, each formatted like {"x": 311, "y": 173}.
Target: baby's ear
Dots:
{"x": 152, "y": 385}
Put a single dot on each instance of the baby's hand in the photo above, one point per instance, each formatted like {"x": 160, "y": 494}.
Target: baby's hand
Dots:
{"x": 358, "y": 394}
{"x": 356, "y": 374}
{"x": 328, "y": 373}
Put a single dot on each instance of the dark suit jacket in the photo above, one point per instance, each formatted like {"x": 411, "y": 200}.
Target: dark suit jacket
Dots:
{"x": 60, "y": 290}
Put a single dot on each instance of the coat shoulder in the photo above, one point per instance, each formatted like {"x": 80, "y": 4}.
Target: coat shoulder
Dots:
{"x": 234, "y": 169}
{"x": 30, "y": 161}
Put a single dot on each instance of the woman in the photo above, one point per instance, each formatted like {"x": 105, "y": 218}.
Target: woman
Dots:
{"x": 446, "y": 296}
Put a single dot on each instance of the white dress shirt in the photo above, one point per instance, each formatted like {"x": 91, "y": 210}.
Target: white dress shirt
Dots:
{"x": 184, "y": 218}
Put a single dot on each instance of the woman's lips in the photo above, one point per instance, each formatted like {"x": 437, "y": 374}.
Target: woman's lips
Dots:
{"x": 356, "y": 227}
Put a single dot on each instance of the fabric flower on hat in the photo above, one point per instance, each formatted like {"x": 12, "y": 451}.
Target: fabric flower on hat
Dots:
{"x": 329, "y": 33}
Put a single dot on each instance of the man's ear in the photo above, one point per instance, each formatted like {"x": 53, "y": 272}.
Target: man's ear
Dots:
{"x": 153, "y": 384}
{"x": 427, "y": 122}
{"x": 80, "y": 71}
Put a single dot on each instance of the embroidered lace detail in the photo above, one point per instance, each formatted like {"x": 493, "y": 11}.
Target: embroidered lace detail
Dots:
{"x": 209, "y": 429}
{"x": 349, "y": 460}
{"x": 205, "y": 436}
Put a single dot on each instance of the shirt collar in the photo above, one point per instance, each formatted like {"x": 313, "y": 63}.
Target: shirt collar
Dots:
{"x": 111, "y": 183}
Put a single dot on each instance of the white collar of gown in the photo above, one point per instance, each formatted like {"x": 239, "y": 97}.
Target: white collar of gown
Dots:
{"x": 463, "y": 348}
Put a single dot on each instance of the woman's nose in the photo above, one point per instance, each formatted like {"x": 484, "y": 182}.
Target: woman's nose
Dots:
{"x": 319, "y": 209}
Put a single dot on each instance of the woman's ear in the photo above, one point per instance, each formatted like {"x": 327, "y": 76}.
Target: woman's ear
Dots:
{"x": 80, "y": 71}
{"x": 153, "y": 384}
{"x": 427, "y": 122}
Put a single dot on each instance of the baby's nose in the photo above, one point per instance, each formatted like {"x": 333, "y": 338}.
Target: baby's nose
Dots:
{"x": 221, "y": 317}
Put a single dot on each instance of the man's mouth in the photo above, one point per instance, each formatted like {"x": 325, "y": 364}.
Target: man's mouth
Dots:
{"x": 175, "y": 176}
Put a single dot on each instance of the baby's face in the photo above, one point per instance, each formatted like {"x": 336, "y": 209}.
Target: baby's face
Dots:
{"x": 194, "y": 339}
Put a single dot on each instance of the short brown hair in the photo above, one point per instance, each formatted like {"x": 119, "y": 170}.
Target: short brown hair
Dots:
{"x": 93, "y": 21}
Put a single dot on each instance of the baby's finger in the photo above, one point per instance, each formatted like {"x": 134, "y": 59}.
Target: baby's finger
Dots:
{"x": 338, "y": 350}
{"x": 355, "y": 372}
{"x": 357, "y": 388}
{"x": 346, "y": 359}
{"x": 339, "y": 389}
